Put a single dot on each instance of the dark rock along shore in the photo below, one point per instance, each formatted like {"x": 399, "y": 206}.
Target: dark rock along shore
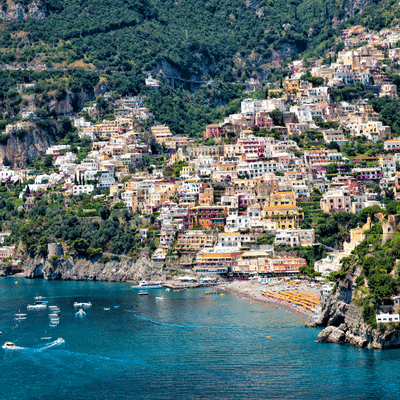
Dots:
{"x": 81, "y": 269}
{"x": 344, "y": 322}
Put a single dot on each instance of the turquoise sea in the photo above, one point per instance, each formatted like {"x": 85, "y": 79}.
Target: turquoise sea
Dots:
{"x": 187, "y": 346}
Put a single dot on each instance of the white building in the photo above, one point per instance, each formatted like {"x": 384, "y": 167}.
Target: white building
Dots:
{"x": 258, "y": 169}
{"x": 384, "y": 318}
{"x": 78, "y": 189}
{"x": 295, "y": 237}
{"x": 52, "y": 150}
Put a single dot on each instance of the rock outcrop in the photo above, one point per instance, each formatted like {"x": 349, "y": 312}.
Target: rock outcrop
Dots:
{"x": 344, "y": 323}
{"x": 82, "y": 269}
{"x": 19, "y": 12}
{"x": 20, "y": 149}
{"x": 71, "y": 103}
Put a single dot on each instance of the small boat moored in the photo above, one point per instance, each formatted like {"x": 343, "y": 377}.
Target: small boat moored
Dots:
{"x": 36, "y": 306}
{"x": 143, "y": 293}
{"x": 84, "y": 305}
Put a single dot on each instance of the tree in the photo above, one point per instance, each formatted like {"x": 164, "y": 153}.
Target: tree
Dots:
{"x": 333, "y": 146}
{"x": 377, "y": 190}
{"x": 80, "y": 246}
{"x": 105, "y": 213}
{"x": 331, "y": 168}
{"x": 277, "y": 117}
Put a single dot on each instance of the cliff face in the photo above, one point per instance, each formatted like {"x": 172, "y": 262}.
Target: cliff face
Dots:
{"x": 71, "y": 103}
{"x": 82, "y": 269}
{"x": 344, "y": 322}
{"x": 20, "y": 149}
{"x": 349, "y": 9}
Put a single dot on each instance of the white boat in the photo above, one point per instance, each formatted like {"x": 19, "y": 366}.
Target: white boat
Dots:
{"x": 106, "y": 308}
{"x": 36, "y": 306}
{"x": 85, "y": 305}
{"x": 39, "y": 297}
{"x": 54, "y": 308}
{"x": 20, "y": 315}
{"x": 20, "y": 318}
{"x": 11, "y": 346}
{"x": 147, "y": 285}
{"x": 167, "y": 289}
{"x": 143, "y": 293}
{"x": 59, "y": 341}
{"x": 80, "y": 313}
{"x": 159, "y": 298}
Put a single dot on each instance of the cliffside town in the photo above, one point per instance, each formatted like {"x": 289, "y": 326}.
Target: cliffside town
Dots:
{"x": 291, "y": 184}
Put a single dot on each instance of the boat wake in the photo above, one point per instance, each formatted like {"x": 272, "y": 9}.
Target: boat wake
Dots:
{"x": 214, "y": 327}
{"x": 57, "y": 342}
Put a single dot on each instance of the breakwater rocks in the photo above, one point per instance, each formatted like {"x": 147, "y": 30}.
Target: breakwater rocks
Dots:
{"x": 344, "y": 323}
{"x": 81, "y": 270}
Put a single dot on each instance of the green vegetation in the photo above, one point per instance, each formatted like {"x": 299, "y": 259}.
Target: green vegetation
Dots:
{"x": 198, "y": 38}
{"x": 49, "y": 220}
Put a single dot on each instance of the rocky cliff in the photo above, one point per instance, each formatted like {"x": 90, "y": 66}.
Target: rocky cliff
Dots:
{"x": 71, "y": 103}
{"x": 18, "y": 12}
{"x": 19, "y": 149}
{"x": 82, "y": 269}
{"x": 344, "y": 323}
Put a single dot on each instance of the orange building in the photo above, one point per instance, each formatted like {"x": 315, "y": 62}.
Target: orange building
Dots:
{"x": 213, "y": 130}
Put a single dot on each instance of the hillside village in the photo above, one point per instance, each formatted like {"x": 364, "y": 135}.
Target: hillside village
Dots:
{"x": 237, "y": 201}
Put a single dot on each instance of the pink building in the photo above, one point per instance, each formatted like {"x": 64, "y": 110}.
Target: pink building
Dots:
{"x": 263, "y": 119}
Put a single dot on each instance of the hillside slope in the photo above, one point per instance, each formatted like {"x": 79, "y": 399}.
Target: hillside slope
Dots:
{"x": 228, "y": 39}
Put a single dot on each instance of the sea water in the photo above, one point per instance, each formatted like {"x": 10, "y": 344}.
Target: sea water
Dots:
{"x": 187, "y": 346}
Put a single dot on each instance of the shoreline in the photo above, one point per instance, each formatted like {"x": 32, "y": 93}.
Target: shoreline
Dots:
{"x": 251, "y": 291}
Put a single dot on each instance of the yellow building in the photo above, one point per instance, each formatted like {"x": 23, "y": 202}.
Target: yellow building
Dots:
{"x": 178, "y": 156}
{"x": 161, "y": 133}
{"x": 196, "y": 240}
{"x": 251, "y": 263}
{"x": 157, "y": 199}
{"x": 207, "y": 197}
{"x": 291, "y": 85}
{"x": 281, "y": 207}
{"x": 187, "y": 171}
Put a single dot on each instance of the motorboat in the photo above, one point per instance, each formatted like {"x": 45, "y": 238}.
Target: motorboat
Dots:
{"x": 59, "y": 341}
{"x": 80, "y": 313}
{"x": 167, "y": 289}
{"x": 39, "y": 297}
{"x": 36, "y": 306}
{"x": 143, "y": 293}
{"x": 84, "y": 305}
{"x": 159, "y": 298}
{"x": 11, "y": 346}
{"x": 41, "y": 302}
{"x": 147, "y": 285}
{"x": 54, "y": 308}
{"x": 106, "y": 308}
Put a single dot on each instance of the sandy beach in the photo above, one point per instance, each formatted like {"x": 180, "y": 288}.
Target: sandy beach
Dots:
{"x": 252, "y": 290}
